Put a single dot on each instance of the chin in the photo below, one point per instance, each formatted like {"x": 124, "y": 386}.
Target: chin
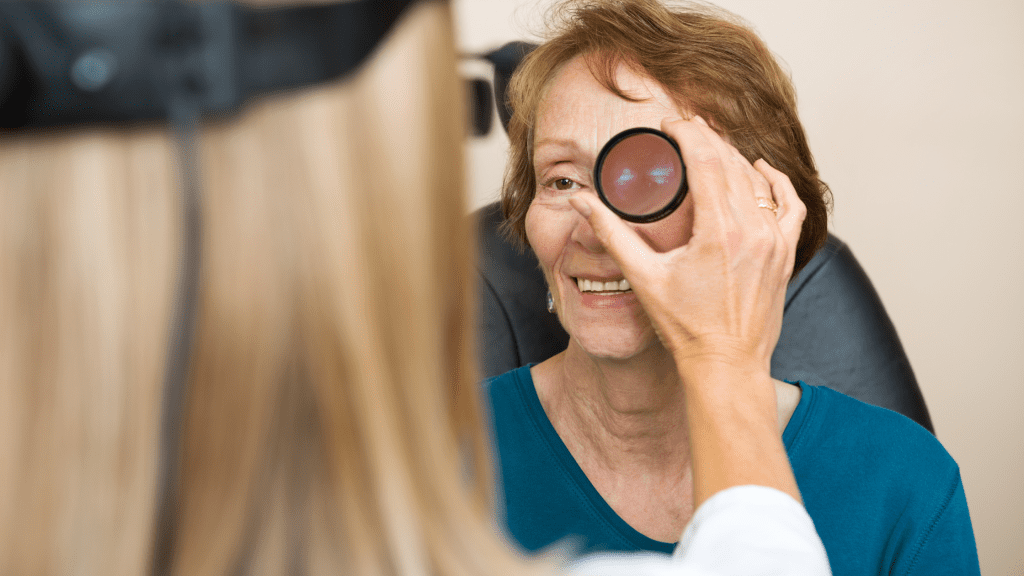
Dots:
{"x": 616, "y": 343}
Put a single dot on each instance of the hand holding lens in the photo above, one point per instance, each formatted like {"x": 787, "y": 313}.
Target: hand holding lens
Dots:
{"x": 640, "y": 175}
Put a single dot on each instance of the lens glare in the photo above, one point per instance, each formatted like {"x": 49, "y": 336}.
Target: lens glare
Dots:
{"x": 641, "y": 175}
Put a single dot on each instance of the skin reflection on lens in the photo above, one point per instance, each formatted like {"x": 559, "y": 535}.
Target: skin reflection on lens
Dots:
{"x": 641, "y": 174}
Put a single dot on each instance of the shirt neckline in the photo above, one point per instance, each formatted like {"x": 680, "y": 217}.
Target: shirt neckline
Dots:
{"x": 528, "y": 393}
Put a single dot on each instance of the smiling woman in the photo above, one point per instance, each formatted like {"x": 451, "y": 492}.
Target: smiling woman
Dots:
{"x": 664, "y": 317}
{"x": 577, "y": 116}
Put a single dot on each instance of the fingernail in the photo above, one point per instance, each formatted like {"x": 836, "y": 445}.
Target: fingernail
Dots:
{"x": 699, "y": 120}
{"x": 580, "y": 205}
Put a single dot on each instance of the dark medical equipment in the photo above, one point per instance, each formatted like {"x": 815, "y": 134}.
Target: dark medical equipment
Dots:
{"x": 640, "y": 175}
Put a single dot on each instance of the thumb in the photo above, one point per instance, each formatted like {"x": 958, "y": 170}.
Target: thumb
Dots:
{"x": 629, "y": 250}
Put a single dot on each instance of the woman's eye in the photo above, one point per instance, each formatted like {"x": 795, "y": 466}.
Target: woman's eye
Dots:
{"x": 563, "y": 184}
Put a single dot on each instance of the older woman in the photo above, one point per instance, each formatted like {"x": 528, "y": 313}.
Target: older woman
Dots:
{"x": 593, "y": 443}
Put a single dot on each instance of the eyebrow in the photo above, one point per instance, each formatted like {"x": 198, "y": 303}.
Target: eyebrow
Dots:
{"x": 557, "y": 146}
{"x": 556, "y": 142}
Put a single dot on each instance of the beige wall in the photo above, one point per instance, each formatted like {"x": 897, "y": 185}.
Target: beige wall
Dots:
{"x": 915, "y": 113}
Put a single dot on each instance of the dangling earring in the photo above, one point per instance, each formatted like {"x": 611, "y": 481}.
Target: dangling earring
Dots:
{"x": 551, "y": 303}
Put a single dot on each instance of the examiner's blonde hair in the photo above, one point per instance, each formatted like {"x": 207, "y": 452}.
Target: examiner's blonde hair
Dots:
{"x": 332, "y": 422}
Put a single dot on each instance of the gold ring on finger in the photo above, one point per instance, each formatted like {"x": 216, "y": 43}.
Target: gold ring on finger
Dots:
{"x": 769, "y": 204}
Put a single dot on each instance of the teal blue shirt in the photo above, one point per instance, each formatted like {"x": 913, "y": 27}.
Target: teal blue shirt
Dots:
{"x": 885, "y": 496}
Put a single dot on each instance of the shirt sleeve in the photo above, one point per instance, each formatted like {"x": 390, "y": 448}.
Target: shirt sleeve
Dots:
{"x": 744, "y": 530}
{"x": 945, "y": 545}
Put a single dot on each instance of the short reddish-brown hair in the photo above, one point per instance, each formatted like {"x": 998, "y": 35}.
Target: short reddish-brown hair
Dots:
{"x": 709, "y": 63}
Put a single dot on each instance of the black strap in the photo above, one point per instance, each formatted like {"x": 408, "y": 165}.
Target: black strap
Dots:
{"x": 64, "y": 63}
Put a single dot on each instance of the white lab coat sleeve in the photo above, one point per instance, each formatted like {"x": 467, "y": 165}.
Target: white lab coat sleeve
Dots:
{"x": 740, "y": 531}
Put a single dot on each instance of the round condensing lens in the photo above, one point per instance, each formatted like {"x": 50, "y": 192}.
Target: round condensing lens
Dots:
{"x": 640, "y": 175}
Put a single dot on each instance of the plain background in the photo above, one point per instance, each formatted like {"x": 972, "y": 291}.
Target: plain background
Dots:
{"x": 915, "y": 115}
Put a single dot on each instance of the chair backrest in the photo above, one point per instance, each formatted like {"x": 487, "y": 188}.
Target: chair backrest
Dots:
{"x": 835, "y": 331}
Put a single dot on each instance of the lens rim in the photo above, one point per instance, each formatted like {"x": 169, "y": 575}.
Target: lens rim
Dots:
{"x": 677, "y": 199}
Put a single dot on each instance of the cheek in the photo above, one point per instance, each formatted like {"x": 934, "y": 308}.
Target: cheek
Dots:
{"x": 547, "y": 231}
{"x": 538, "y": 235}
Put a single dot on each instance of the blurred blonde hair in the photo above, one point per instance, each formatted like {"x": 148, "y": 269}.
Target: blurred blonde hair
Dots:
{"x": 332, "y": 423}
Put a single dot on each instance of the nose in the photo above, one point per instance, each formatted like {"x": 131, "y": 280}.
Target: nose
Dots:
{"x": 583, "y": 234}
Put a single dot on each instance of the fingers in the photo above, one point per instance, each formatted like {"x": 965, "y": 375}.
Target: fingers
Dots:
{"x": 737, "y": 172}
{"x": 705, "y": 170}
{"x": 718, "y": 168}
{"x": 759, "y": 199}
{"x": 791, "y": 209}
{"x": 626, "y": 247}
{"x": 764, "y": 200}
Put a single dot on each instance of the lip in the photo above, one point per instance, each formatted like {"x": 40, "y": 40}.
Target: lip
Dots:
{"x": 594, "y": 278}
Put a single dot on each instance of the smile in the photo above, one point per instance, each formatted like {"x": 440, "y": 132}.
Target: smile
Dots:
{"x": 609, "y": 287}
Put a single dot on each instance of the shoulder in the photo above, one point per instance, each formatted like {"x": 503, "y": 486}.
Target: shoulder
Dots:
{"x": 511, "y": 403}
{"x": 500, "y": 388}
{"x": 864, "y": 434}
{"x": 882, "y": 490}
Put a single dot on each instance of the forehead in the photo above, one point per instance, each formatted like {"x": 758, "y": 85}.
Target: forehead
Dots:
{"x": 577, "y": 108}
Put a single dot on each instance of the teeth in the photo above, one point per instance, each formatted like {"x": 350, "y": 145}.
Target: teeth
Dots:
{"x": 596, "y": 286}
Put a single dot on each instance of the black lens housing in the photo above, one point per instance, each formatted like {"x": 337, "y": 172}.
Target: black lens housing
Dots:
{"x": 676, "y": 200}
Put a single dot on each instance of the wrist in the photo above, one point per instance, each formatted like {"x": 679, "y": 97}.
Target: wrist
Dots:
{"x": 708, "y": 372}
{"x": 716, "y": 388}
{"x": 732, "y": 414}
{"x": 721, "y": 355}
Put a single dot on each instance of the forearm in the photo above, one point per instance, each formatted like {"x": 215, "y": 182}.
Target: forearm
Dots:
{"x": 734, "y": 432}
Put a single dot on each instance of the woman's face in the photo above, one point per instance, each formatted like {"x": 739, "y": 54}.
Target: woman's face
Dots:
{"x": 575, "y": 118}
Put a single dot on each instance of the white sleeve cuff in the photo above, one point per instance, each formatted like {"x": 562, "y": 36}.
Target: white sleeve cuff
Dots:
{"x": 753, "y": 530}
{"x": 740, "y": 531}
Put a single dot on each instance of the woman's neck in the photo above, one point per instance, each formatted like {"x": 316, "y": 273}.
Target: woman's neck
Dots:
{"x": 625, "y": 424}
{"x": 624, "y": 416}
